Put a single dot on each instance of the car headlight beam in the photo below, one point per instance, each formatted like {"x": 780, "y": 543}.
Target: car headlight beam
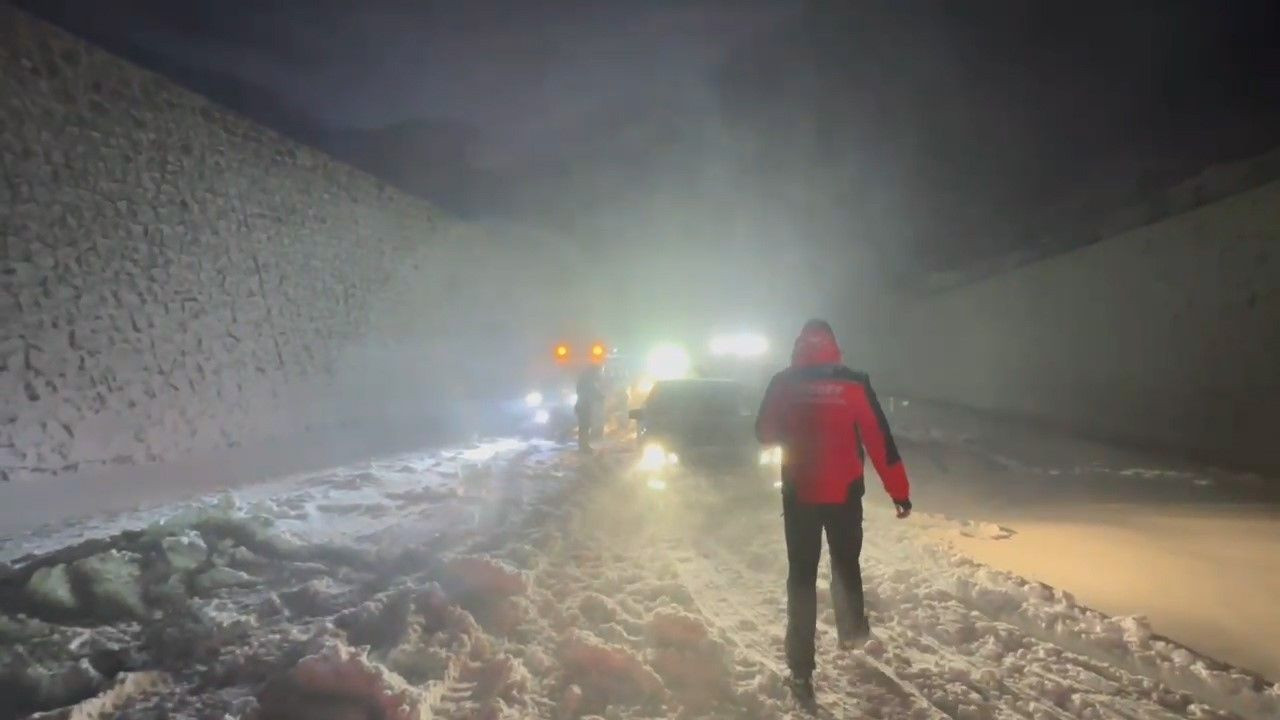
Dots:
{"x": 533, "y": 399}
{"x": 771, "y": 456}
{"x": 642, "y": 386}
{"x": 654, "y": 457}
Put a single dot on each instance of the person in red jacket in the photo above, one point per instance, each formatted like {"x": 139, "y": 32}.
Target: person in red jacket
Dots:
{"x": 824, "y": 416}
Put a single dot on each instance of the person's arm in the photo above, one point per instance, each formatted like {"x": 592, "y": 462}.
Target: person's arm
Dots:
{"x": 873, "y": 427}
{"x": 768, "y": 419}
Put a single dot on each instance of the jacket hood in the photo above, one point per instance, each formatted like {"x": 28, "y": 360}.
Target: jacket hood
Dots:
{"x": 815, "y": 346}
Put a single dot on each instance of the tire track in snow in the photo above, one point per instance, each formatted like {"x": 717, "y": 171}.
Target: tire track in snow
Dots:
{"x": 702, "y": 573}
{"x": 909, "y": 632}
{"x": 918, "y": 704}
{"x": 1030, "y": 678}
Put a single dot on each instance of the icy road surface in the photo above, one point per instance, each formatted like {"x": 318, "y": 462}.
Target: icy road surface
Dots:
{"x": 514, "y": 580}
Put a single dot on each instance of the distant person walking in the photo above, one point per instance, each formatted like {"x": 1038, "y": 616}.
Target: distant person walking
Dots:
{"x": 590, "y": 398}
{"x": 823, "y": 415}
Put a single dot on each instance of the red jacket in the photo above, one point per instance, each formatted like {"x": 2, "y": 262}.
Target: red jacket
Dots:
{"x": 823, "y": 414}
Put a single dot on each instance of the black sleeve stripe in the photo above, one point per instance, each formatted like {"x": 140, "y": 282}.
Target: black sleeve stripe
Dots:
{"x": 863, "y": 379}
{"x": 844, "y": 373}
{"x": 890, "y": 445}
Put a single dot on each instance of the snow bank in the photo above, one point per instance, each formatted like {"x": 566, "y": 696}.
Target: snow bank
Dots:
{"x": 125, "y": 688}
{"x": 695, "y": 667}
{"x": 339, "y": 681}
{"x": 1124, "y": 642}
{"x": 608, "y": 674}
{"x": 484, "y": 577}
{"x": 51, "y": 586}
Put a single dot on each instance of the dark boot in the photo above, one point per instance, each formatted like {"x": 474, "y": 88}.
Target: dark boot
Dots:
{"x": 801, "y": 687}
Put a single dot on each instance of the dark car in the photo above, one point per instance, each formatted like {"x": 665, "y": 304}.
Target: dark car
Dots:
{"x": 698, "y": 424}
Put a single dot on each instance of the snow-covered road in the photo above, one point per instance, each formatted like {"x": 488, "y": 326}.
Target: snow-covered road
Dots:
{"x": 515, "y": 580}
{"x": 1192, "y": 547}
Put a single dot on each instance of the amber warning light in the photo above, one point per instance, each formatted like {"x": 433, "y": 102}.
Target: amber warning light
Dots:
{"x": 562, "y": 352}
{"x": 597, "y": 352}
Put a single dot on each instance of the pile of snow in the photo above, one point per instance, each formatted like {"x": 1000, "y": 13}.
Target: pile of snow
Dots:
{"x": 339, "y": 681}
{"x": 695, "y": 667}
{"x": 1126, "y": 643}
{"x": 608, "y": 674}
{"x": 126, "y": 688}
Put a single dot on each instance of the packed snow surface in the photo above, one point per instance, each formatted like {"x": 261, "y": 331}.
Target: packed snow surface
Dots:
{"x": 525, "y": 581}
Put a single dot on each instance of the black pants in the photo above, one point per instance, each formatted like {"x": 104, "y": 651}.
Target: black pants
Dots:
{"x": 584, "y": 430}
{"x": 804, "y": 526}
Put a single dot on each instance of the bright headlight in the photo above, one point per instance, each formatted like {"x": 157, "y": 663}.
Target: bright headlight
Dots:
{"x": 533, "y": 399}
{"x": 571, "y": 398}
{"x": 542, "y": 417}
{"x": 655, "y": 457}
{"x": 771, "y": 456}
{"x": 669, "y": 362}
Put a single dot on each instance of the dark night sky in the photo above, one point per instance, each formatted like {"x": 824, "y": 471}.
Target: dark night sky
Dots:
{"x": 965, "y": 107}
{"x": 524, "y": 71}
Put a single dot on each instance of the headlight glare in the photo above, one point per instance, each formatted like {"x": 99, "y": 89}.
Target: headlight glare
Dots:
{"x": 771, "y": 455}
{"x": 655, "y": 457}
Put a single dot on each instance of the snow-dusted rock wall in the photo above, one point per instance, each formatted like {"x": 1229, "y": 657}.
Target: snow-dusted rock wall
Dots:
{"x": 1166, "y": 335}
{"x": 172, "y": 277}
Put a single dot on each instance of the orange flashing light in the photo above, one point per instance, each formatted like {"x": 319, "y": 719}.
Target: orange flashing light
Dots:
{"x": 597, "y": 352}
{"x": 562, "y": 353}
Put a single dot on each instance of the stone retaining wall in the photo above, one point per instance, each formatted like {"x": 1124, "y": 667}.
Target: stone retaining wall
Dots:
{"x": 172, "y": 277}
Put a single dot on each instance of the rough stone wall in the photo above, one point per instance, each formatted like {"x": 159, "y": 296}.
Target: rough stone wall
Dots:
{"x": 172, "y": 277}
{"x": 1214, "y": 183}
{"x": 1167, "y": 335}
